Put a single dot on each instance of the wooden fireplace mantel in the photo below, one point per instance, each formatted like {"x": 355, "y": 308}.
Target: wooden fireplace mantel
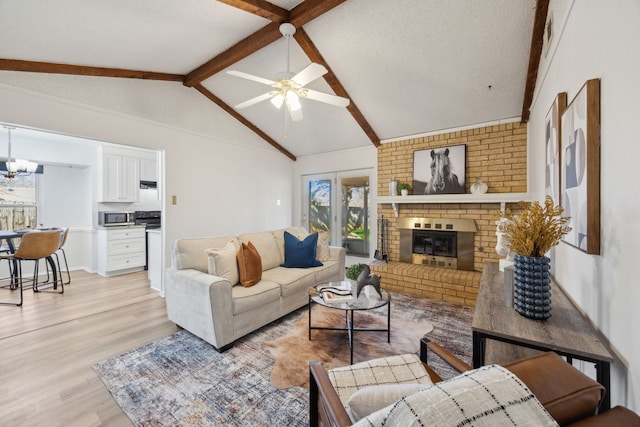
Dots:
{"x": 501, "y": 198}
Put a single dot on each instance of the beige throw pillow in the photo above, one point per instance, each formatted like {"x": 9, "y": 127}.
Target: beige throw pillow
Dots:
{"x": 222, "y": 262}
{"x": 322, "y": 250}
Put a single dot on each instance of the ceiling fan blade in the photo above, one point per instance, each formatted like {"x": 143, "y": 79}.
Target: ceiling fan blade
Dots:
{"x": 309, "y": 74}
{"x": 338, "y": 101}
{"x": 255, "y": 100}
{"x": 251, "y": 77}
{"x": 296, "y": 115}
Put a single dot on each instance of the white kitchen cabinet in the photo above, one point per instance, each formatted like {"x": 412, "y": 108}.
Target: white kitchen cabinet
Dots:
{"x": 120, "y": 178}
{"x": 148, "y": 169}
{"x": 121, "y": 250}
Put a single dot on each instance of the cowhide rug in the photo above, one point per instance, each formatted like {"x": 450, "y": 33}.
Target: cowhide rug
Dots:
{"x": 294, "y": 350}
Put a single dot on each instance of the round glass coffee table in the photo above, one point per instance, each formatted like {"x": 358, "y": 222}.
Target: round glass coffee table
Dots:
{"x": 369, "y": 299}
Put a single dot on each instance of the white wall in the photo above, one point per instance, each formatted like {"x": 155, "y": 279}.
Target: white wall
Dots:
{"x": 221, "y": 187}
{"x": 597, "y": 39}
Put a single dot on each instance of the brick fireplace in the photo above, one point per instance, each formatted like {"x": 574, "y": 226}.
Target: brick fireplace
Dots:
{"x": 497, "y": 155}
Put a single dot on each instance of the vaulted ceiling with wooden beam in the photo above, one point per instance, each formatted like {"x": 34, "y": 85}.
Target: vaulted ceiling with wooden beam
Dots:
{"x": 407, "y": 66}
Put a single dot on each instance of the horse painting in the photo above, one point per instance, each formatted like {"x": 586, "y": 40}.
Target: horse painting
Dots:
{"x": 443, "y": 180}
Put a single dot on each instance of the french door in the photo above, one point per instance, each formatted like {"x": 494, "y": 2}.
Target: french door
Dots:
{"x": 340, "y": 203}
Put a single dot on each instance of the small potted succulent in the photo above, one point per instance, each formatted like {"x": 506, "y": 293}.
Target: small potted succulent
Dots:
{"x": 404, "y": 188}
{"x": 353, "y": 271}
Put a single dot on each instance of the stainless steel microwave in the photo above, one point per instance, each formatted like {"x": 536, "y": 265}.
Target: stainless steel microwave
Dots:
{"x": 112, "y": 219}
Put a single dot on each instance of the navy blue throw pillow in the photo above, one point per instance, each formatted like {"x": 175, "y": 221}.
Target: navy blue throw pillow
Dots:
{"x": 300, "y": 254}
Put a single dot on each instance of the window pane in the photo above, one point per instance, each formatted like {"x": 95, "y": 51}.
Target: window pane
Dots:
{"x": 319, "y": 205}
{"x": 18, "y": 202}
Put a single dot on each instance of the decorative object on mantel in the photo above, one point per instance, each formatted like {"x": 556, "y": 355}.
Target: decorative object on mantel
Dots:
{"x": 404, "y": 187}
{"x": 393, "y": 187}
{"x": 479, "y": 187}
{"x": 366, "y": 278}
{"x": 531, "y": 234}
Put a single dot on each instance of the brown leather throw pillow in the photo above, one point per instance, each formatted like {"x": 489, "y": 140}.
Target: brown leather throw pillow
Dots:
{"x": 249, "y": 265}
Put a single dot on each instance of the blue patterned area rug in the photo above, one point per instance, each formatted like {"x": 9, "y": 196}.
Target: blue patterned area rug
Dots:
{"x": 182, "y": 381}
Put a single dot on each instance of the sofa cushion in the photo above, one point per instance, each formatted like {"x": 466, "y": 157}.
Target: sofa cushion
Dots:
{"x": 267, "y": 247}
{"x": 300, "y": 254}
{"x": 278, "y": 235}
{"x": 191, "y": 253}
{"x": 249, "y": 264}
{"x": 254, "y": 297}
{"x": 488, "y": 396}
{"x": 328, "y": 272}
{"x": 223, "y": 263}
{"x": 291, "y": 280}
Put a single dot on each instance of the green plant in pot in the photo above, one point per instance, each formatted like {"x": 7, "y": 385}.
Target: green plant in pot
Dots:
{"x": 404, "y": 188}
{"x": 530, "y": 235}
{"x": 353, "y": 271}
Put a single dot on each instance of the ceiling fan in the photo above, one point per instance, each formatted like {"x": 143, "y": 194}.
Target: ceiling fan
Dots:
{"x": 288, "y": 87}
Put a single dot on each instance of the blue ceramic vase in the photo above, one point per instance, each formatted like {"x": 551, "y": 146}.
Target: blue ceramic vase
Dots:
{"x": 532, "y": 287}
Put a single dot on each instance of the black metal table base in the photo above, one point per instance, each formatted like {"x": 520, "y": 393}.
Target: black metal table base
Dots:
{"x": 350, "y": 326}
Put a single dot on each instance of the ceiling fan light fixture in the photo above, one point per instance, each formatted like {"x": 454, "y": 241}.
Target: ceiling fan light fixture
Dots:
{"x": 293, "y": 101}
{"x": 277, "y": 101}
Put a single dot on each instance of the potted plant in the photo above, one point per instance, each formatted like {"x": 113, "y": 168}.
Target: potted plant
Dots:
{"x": 404, "y": 187}
{"x": 530, "y": 235}
{"x": 353, "y": 271}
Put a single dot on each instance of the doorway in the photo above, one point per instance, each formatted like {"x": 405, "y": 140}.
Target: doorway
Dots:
{"x": 340, "y": 203}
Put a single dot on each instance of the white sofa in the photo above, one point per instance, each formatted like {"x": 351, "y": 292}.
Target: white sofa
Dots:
{"x": 220, "y": 312}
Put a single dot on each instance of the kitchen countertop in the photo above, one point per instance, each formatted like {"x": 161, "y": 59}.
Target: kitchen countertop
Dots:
{"x": 118, "y": 227}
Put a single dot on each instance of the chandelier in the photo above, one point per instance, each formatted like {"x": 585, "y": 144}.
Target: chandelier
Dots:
{"x": 16, "y": 167}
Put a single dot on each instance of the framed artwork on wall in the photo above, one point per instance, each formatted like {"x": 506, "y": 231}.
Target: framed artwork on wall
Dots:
{"x": 552, "y": 147}
{"x": 580, "y": 177}
{"x": 440, "y": 170}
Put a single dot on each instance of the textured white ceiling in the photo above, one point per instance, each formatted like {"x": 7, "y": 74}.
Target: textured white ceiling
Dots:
{"x": 411, "y": 66}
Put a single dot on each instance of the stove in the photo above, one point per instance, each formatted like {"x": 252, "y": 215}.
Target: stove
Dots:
{"x": 151, "y": 220}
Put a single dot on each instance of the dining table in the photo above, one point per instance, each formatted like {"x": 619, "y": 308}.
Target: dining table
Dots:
{"x": 8, "y": 237}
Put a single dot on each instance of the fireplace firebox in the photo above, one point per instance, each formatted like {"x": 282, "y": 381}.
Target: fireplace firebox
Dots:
{"x": 437, "y": 242}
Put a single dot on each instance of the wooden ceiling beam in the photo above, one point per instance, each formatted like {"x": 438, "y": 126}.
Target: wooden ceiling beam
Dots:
{"x": 299, "y": 15}
{"x": 309, "y": 10}
{"x": 314, "y": 55}
{"x": 260, "y": 8}
{"x": 256, "y": 41}
{"x": 81, "y": 70}
{"x": 537, "y": 40}
{"x": 244, "y": 121}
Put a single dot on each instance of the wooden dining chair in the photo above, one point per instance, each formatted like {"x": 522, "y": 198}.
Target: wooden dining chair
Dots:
{"x": 34, "y": 246}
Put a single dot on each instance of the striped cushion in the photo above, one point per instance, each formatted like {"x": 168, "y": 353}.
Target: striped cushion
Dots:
{"x": 403, "y": 369}
{"x": 488, "y": 396}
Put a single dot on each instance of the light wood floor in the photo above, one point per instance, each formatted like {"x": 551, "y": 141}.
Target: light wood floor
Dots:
{"x": 49, "y": 345}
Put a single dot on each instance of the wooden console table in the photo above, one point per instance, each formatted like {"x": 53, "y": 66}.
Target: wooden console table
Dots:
{"x": 567, "y": 332}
